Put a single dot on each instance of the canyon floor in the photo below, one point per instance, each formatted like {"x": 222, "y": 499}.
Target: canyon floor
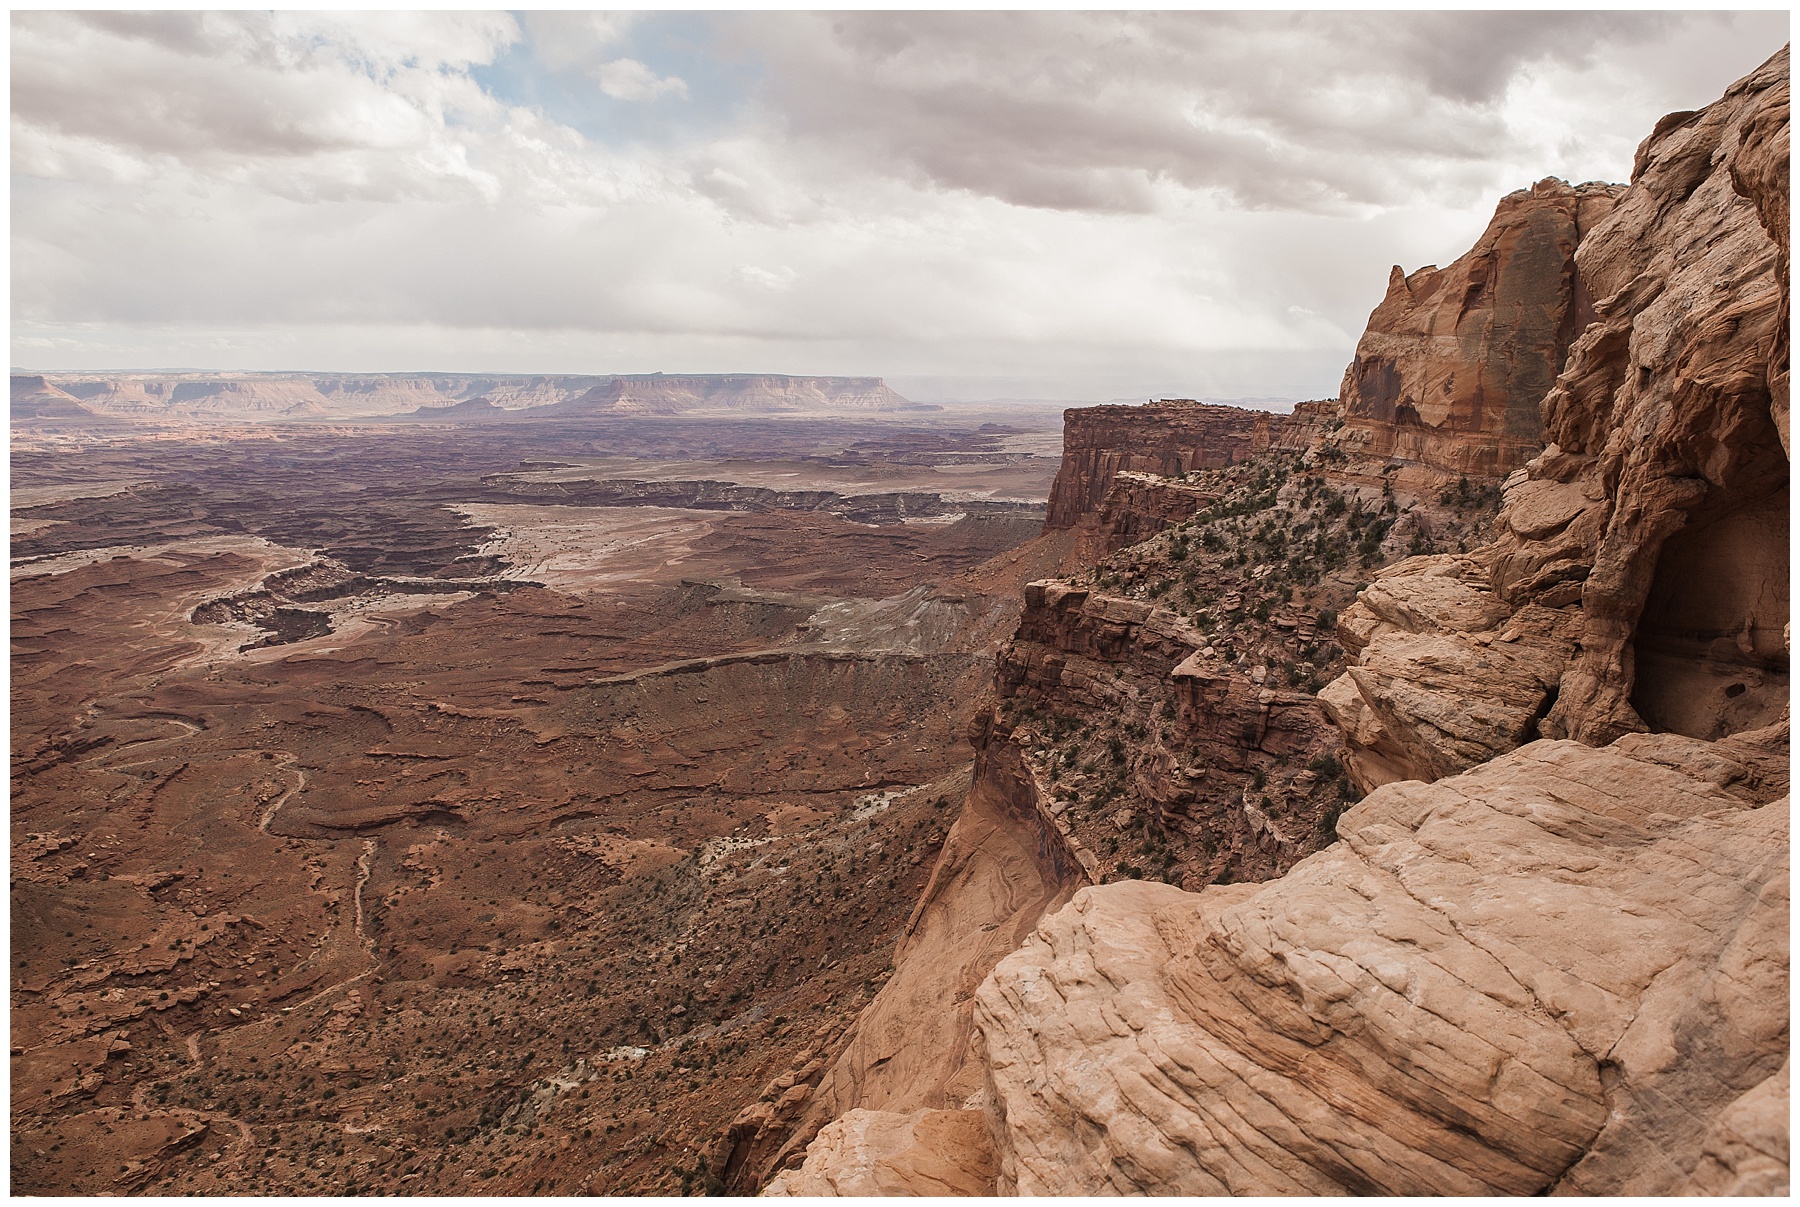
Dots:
{"x": 390, "y": 817}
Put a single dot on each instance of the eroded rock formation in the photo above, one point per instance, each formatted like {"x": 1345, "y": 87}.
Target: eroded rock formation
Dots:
{"x": 1135, "y": 508}
{"x": 921, "y": 1152}
{"x": 1666, "y": 420}
{"x": 1450, "y": 371}
{"x": 1388, "y": 1019}
{"x": 1640, "y": 579}
{"x": 1549, "y": 953}
{"x": 1159, "y": 438}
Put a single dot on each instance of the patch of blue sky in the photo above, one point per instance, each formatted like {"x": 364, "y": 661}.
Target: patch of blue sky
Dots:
{"x": 719, "y": 81}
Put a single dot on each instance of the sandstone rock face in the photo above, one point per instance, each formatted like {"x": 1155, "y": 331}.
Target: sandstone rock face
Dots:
{"x": 1455, "y": 361}
{"x": 1565, "y": 970}
{"x": 1667, "y": 417}
{"x": 1531, "y": 964}
{"x": 1447, "y": 675}
{"x": 1640, "y": 578}
{"x": 1161, "y": 438}
{"x": 1136, "y": 507}
{"x": 886, "y": 1153}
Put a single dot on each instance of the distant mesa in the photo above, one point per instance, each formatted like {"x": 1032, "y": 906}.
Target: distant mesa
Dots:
{"x": 730, "y": 393}
{"x": 289, "y": 397}
{"x": 474, "y": 410}
{"x": 35, "y": 400}
{"x": 445, "y": 398}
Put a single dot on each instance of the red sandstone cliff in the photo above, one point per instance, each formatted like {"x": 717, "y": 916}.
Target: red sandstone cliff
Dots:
{"x": 1640, "y": 578}
{"x": 1160, "y": 438}
{"x": 1450, "y": 372}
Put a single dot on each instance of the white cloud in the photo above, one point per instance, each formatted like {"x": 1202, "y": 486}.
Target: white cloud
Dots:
{"x": 773, "y": 279}
{"x": 1071, "y": 196}
{"x": 630, "y": 80}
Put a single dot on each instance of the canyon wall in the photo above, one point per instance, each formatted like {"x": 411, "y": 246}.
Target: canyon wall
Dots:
{"x": 1160, "y": 438}
{"x": 1639, "y": 581}
{"x": 1548, "y": 952}
{"x": 1449, "y": 374}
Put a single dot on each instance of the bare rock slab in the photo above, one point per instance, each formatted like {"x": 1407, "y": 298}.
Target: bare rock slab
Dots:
{"x": 1565, "y": 970}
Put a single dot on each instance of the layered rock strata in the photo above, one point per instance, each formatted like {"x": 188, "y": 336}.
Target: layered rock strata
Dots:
{"x": 1449, "y": 373}
{"x": 1640, "y": 577}
{"x": 1160, "y": 438}
{"x": 1533, "y": 963}
{"x": 1135, "y": 508}
{"x": 1387, "y": 1019}
{"x": 917, "y": 1153}
{"x": 1446, "y": 675}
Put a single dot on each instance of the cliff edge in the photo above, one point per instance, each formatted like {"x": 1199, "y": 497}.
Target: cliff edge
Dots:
{"x": 1548, "y": 951}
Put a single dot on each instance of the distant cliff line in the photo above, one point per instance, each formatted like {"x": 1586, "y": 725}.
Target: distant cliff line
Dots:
{"x": 438, "y": 397}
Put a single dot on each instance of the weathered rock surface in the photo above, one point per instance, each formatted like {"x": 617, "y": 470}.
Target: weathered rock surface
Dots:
{"x": 1161, "y": 438}
{"x": 887, "y": 1153}
{"x": 1438, "y": 687}
{"x": 1667, "y": 417}
{"x": 1449, "y": 374}
{"x": 1136, "y": 507}
{"x": 1118, "y": 507}
{"x": 1565, "y": 970}
{"x": 1640, "y": 577}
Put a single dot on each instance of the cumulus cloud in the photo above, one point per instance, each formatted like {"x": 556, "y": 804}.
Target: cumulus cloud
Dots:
{"x": 1076, "y": 196}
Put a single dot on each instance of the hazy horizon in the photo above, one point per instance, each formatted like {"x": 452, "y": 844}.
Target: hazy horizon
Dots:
{"x": 951, "y": 390}
{"x": 1070, "y": 206}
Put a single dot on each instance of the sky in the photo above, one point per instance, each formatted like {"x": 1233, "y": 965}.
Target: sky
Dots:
{"x": 1068, "y": 205}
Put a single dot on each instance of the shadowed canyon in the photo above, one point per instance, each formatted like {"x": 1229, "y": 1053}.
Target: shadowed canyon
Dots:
{"x": 688, "y": 785}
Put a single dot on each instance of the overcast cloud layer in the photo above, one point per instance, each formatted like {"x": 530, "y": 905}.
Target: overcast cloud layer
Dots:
{"x": 1070, "y": 205}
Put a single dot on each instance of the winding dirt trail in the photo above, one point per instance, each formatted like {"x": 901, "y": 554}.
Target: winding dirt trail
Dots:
{"x": 286, "y": 763}
{"x": 328, "y": 990}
